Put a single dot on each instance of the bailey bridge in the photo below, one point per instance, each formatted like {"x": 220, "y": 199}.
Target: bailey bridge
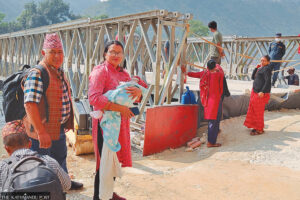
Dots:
{"x": 143, "y": 36}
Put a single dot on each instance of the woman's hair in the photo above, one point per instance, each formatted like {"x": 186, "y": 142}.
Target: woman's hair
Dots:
{"x": 211, "y": 64}
{"x": 116, "y": 42}
{"x": 267, "y": 57}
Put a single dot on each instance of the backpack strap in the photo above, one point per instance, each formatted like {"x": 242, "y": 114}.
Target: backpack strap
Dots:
{"x": 10, "y": 162}
{"x": 45, "y": 80}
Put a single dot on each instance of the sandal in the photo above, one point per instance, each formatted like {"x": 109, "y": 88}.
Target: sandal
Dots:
{"x": 209, "y": 145}
{"x": 257, "y": 132}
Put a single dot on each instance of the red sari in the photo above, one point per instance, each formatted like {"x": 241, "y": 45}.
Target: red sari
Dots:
{"x": 256, "y": 109}
{"x": 106, "y": 77}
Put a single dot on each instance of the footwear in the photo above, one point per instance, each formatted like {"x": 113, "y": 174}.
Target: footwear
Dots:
{"x": 117, "y": 197}
{"x": 76, "y": 185}
{"x": 257, "y": 132}
{"x": 209, "y": 145}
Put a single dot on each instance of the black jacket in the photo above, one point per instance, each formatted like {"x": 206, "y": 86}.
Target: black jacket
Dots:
{"x": 262, "y": 79}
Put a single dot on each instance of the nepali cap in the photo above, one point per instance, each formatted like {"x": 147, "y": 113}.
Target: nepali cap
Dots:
{"x": 52, "y": 41}
{"x": 13, "y": 127}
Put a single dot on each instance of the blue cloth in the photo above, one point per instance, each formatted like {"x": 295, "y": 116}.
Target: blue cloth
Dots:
{"x": 276, "y": 50}
{"x": 214, "y": 126}
{"x": 58, "y": 149}
{"x": 111, "y": 120}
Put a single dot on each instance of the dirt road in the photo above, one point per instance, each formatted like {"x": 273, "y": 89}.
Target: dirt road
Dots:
{"x": 265, "y": 167}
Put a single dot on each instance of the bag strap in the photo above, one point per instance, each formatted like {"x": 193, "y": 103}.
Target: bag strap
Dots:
{"x": 45, "y": 80}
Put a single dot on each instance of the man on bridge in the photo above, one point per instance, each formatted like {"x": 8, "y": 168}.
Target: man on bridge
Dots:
{"x": 276, "y": 52}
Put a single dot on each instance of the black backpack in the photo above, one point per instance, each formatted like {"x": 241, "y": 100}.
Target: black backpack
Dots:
{"x": 13, "y": 95}
{"x": 31, "y": 174}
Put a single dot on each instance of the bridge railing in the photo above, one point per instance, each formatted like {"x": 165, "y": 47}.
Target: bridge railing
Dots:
{"x": 242, "y": 54}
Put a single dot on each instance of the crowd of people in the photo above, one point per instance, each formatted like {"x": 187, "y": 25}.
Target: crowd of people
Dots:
{"x": 42, "y": 131}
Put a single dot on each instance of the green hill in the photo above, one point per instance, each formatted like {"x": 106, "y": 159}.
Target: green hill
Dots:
{"x": 235, "y": 17}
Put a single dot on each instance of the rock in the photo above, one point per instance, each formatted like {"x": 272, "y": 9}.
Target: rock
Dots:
{"x": 203, "y": 139}
{"x": 189, "y": 149}
{"x": 136, "y": 140}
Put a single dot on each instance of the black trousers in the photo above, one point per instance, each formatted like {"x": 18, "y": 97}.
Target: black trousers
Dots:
{"x": 97, "y": 178}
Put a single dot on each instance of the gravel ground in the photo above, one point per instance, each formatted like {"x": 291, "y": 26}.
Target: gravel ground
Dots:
{"x": 254, "y": 158}
{"x": 245, "y": 167}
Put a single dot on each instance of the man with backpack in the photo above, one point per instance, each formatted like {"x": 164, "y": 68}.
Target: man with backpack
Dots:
{"x": 25, "y": 170}
{"x": 45, "y": 125}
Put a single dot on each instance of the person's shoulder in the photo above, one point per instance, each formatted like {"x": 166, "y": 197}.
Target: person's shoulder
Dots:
{"x": 2, "y": 163}
{"x": 101, "y": 68}
{"x": 268, "y": 68}
{"x": 33, "y": 72}
{"x": 218, "y": 33}
{"x": 50, "y": 162}
{"x": 282, "y": 44}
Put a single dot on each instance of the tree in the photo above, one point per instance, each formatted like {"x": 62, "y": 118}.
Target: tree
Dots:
{"x": 45, "y": 13}
{"x": 197, "y": 27}
{"x": 6, "y": 27}
{"x": 2, "y": 16}
{"x": 103, "y": 16}
{"x": 55, "y": 11}
{"x": 30, "y": 17}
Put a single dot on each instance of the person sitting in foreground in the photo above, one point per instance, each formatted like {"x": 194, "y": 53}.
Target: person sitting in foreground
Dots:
{"x": 17, "y": 144}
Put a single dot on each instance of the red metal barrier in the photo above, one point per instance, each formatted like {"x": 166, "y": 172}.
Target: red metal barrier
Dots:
{"x": 169, "y": 127}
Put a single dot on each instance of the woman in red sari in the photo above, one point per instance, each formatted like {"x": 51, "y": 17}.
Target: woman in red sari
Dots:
{"x": 104, "y": 77}
{"x": 211, "y": 90}
{"x": 260, "y": 96}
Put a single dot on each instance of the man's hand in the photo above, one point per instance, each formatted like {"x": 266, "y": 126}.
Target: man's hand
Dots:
{"x": 45, "y": 140}
{"x": 135, "y": 93}
{"x": 32, "y": 112}
{"x": 261, "y": 94}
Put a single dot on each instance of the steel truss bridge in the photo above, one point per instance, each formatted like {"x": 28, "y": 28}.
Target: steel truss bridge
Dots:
{"x": 143, "y": 36}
